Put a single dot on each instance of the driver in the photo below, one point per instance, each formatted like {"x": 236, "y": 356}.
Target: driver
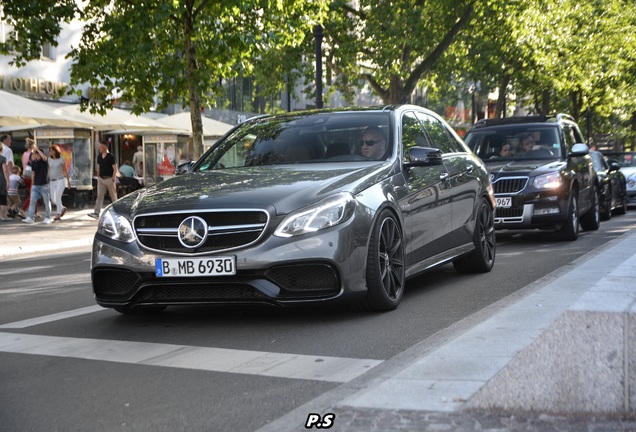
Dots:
{"x": 373, "y": 143}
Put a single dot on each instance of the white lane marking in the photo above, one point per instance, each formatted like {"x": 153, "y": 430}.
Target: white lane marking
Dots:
{"x": 50, "y": 318}
{"x": 6, "y": 272}
{"x": 280, "y": 365}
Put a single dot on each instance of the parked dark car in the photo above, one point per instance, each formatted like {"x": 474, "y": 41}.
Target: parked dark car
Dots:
{"x": 288, "y": 210}
{"x": 541, "y": 172}
{"x": 627, "y": 161}
{"x": 612, "y": 186}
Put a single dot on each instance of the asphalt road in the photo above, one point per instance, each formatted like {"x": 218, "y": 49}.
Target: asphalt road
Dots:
{"x": 223, "y": 369}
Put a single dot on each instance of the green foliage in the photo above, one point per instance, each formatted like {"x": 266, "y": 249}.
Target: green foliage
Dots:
{"x": 575, "y": 56}
{"x": 34, "y": 24}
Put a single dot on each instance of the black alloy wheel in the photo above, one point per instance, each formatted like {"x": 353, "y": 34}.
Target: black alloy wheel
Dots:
{"x": 385, "y": 265}
{"x": 570, "y": 229}
{"x": 482, "y": 258}
{"x": 591, "y": 220}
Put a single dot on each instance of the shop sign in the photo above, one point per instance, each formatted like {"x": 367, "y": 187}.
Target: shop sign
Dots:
{"x": 160, "y": 138}
{"x": 32, "y": 85}
{"x": 53, "y": 133}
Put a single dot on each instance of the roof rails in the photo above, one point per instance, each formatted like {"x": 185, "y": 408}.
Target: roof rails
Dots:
{"x": 523, "y": 119}
{"x": 510, "y": 120}
{"x": 563, "y": 116}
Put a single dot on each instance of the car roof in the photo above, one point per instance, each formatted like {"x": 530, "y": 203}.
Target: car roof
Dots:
{"x": 523, "y": 120}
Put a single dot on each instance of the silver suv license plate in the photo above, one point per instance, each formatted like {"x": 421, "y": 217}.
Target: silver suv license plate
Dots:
{"x": 179, "y": 267}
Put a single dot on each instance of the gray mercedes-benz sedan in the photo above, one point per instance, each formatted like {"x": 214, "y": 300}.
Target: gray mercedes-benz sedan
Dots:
{"x": 306, "y": 207}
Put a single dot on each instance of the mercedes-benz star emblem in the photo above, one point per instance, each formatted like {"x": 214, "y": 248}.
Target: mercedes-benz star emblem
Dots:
{"x": 193, "y": 232}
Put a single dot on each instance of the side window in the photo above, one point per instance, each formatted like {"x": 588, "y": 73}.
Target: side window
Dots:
{"x": 438, "y": 133}
{"x": 572, "y": 136}
{"x": 412, "y": 133}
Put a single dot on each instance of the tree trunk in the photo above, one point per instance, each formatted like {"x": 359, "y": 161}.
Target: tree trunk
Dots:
{"x": 395, "y": 93}
{"x": 545, "y": 103}
{"x": 501, "y": 100}
{"x": 194, "y": 96}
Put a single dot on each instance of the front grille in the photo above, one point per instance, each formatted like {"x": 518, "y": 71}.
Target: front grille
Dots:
{"x": 208, "y": 292}
{"x": 305, "y": 278}
{"x": 510, "y": 185}
{"x": 227, "y": 230}
{"x": 114, "y": 283}
{"x": 508, "y": 212}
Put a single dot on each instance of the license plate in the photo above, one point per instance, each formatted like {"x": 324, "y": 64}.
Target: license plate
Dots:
{"x": 189, "y": 267}
{"x": 504, "y": 202}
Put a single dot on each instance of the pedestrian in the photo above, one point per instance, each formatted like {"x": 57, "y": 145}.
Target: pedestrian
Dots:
{"x": 106, "y": 177}
{"x": 13, "y": 198}
{"x": 39, "y": 186}
{"x": 138, "y": 160}
{"x": 58, "y": 179}
{"x": 7, "y": 152}
{"x": 126, "y": 170}
{"x": 4, "y": 183}
{"x": 26, "y": 174}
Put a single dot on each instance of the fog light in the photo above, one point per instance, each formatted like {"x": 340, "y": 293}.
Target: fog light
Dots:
{"x": 546, "y": 210}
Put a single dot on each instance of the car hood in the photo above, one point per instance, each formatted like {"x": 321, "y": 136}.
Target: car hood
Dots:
{"x": 628, "y": 171}
{"x": 281, "y": 188}
{"x": 530, "y": 167}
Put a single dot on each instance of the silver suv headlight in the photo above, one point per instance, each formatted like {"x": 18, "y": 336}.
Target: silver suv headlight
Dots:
{"x": 324, "y": 214}
{"x": 547, "y": 181}
{"x": 112, "y": 225}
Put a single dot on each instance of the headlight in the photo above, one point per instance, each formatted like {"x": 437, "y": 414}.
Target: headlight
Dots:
{"x": 547, "y": 181}
{"x": 115, "y": 226}
{"x": 324, "y": 214}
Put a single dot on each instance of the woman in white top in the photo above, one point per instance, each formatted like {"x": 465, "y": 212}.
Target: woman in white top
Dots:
{"x": 57, "y": 174}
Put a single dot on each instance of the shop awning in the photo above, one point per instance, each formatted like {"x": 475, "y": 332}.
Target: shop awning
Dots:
{"x": 18, "y": 112}
{"x": 121, "y": 121}
{"x": 211, "y": 127}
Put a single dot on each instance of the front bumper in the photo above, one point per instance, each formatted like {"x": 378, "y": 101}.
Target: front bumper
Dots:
{"x": 532, "y": 210}
{"x": 328, "y": 266}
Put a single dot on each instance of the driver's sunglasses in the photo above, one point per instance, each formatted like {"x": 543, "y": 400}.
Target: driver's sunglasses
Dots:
{"x": 369, "y": 142}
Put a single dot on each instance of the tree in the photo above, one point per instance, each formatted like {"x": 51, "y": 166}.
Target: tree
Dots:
{"x": 392, "y": 45}
{"x": 156, "y": 52}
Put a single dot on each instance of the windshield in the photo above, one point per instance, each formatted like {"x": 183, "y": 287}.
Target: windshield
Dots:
{"x": 515, "y": 142}
{"x": 312, "y": 138}
{"x": 624, "y": 159}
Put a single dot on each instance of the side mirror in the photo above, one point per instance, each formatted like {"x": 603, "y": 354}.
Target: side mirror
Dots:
{"x": 614, "y": 166}
{"x": 579, "y": 150}
{"x": 184, "y": 167}
{"x": 424, "y": 156}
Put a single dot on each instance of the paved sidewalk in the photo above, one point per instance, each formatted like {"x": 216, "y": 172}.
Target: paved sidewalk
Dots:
{"x": 74, "y": 230}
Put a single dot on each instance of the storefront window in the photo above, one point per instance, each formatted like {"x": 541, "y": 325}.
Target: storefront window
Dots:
{"x": 162, "y": 154}
{"x": 75, "y": 146}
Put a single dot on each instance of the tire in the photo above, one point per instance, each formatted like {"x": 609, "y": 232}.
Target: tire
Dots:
{"x": 606, "y": 209}
{"x": 385, "y": 265}
{"x": 622, "y": 209}
{"x": 570, "y": 229}
{"x": 591, "y": 220}
{"x": 143, "y": 310}
{"x": 482, "y": 258}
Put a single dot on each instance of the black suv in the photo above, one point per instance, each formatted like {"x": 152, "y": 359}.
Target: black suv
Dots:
{"x": 541, "y": 172}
